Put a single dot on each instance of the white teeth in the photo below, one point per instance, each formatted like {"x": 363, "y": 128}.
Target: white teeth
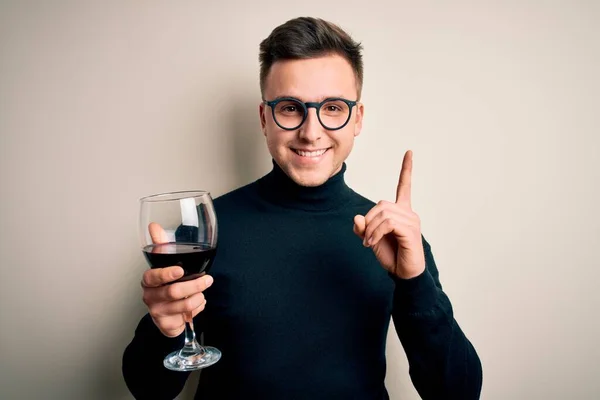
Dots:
{"x": 311, "y": 153}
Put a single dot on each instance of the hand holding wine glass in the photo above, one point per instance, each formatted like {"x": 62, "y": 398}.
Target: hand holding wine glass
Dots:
{"x": 171, "y": 306}
{"x": 179, "y": 240}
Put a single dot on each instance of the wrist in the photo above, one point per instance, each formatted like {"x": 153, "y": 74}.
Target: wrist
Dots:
{"x": 416, "y": 294}
{"x": 409, "y": 273}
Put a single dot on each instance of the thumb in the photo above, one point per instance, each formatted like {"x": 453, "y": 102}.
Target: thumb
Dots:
{"x": 157, "y": 233}
{"x": 359, "y": 226}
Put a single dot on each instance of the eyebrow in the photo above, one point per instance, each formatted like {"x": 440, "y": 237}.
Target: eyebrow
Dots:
{"x": 320, "y": 99}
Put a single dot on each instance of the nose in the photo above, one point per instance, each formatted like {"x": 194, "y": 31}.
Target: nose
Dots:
{"x": 311, "y": 130}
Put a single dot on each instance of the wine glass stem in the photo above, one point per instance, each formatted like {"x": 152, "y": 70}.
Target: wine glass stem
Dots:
{"x": 191, "y": 346}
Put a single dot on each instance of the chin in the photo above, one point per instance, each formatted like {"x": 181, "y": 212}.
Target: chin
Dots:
{"x": 309, "y": 178}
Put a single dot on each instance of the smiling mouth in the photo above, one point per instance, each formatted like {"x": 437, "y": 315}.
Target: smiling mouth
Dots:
{"x": 312, "y": 154}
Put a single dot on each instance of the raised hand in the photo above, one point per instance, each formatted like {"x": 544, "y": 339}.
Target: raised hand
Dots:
{"x": 393, "y": 230}
{"x": 170, "y": 305}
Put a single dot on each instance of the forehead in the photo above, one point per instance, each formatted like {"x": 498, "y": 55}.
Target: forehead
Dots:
{"x": 311, "y": 79}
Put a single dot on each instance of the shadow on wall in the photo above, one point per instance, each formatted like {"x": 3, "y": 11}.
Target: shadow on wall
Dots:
{"x": 247, "y": 150}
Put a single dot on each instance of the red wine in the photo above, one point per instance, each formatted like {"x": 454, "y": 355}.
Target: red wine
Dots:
{"x": 195, "y": 258}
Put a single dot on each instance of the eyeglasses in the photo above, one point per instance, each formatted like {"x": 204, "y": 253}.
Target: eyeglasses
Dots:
{"x": 290, "y": 113}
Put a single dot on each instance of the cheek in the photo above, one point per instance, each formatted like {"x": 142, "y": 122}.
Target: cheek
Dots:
{"x": 345, "y": 139}
{"x": 275, "y": 141}
{"x": 344, "y": 143}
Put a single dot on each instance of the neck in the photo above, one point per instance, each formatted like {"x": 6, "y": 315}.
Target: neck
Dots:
{"x": 278, "y": 188}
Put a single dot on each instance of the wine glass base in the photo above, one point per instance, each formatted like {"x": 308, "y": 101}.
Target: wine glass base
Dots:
{"x": 175, "y": 362}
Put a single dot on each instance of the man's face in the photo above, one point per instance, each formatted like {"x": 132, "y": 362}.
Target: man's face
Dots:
{"x": 311, "y": 154}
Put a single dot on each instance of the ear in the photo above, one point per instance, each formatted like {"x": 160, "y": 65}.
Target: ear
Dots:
{"x": 358, "y": 118}
{"x": 262, "y": 109}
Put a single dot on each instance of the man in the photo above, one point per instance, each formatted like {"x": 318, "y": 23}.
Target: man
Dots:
{"x": 308, "y": 271}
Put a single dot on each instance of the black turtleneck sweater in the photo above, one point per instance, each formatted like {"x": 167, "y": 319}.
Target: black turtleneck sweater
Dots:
{"x": 300, "y": 309}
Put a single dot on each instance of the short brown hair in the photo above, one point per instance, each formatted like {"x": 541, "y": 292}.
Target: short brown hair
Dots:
{"x": 308, "y": 37}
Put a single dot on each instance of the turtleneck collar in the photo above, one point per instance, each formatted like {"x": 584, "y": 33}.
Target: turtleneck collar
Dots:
{"x": 278, "y": 188}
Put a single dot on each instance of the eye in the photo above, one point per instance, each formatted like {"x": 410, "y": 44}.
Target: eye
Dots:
{"x": 334, "y": 108}
{"x": 288, "y": 107}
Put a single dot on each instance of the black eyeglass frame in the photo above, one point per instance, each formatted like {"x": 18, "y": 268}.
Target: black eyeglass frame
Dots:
{"x": 306, "y": 106}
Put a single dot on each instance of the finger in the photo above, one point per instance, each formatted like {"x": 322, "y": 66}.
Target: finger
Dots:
{"x": 398, "y": 226}
{"x": 199, "y": 309}
{"x": 156, "y": 277}
{"x": 386, "y": 227}
{"x": 381, "y": 205}
{"x": 379, "y": 218}
{"x": 359, "y": 226}
{"x": 171, "y": 326}
{"x": 157, "y": 233}
{"x": 403, "y": 192}
{"x": 177, "y": 291}
{"x": 178, "y": 307}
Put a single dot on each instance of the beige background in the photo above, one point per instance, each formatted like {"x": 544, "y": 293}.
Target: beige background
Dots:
{"x": 104, "y": 102}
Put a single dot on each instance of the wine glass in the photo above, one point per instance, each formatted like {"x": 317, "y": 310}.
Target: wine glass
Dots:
{"x": 180, "y": 229}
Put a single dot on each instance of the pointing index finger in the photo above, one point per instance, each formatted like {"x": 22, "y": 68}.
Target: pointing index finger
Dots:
{"x": 403, "y": 194}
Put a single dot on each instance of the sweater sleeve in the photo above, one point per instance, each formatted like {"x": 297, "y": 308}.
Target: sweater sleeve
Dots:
{"x": 142, "y": 367}
{"x": 443, "y": 363}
